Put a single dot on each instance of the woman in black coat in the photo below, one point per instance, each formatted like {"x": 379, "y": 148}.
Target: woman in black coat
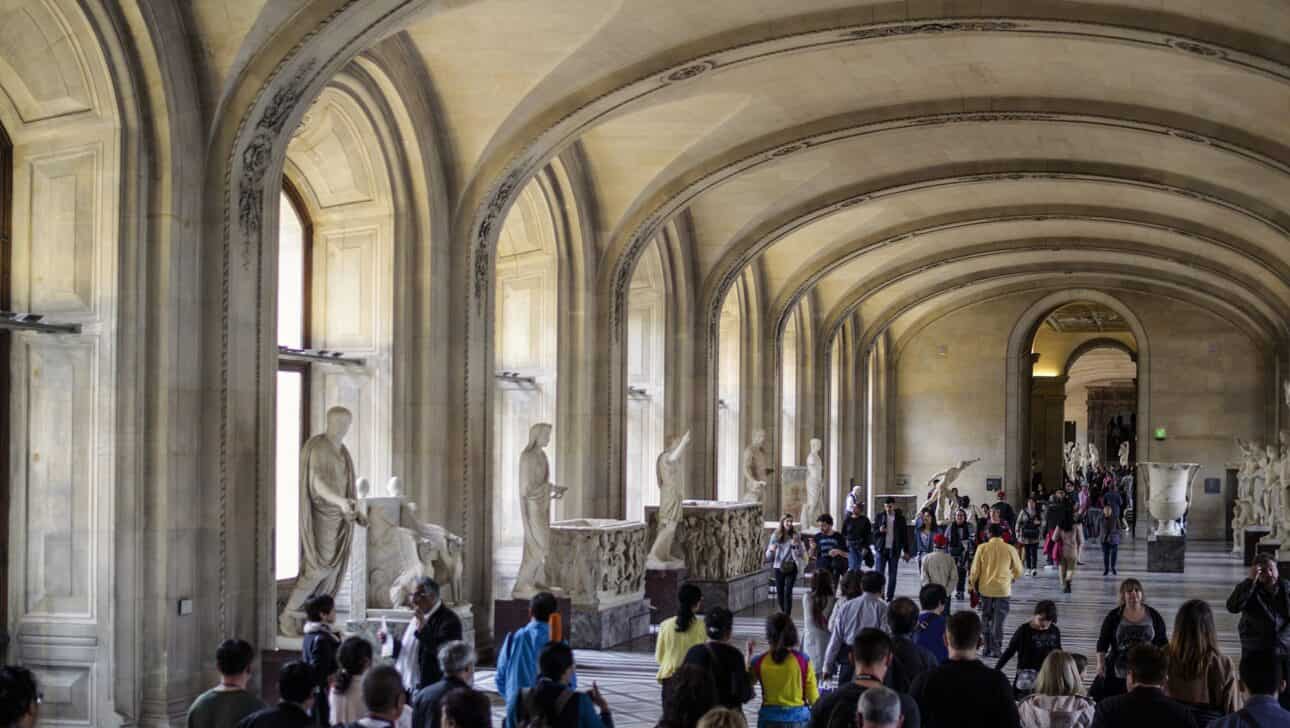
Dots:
{"x": 1131, "y": 623}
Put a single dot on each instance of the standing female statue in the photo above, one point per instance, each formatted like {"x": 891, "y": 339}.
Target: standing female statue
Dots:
{"x": 536, "y": 494}
{"x": 663, "y": 554}
{"x": 814, "y": 503}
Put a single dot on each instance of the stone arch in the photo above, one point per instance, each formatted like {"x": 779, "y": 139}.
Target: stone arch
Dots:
{"x": 1092, "y": 344}
{"x": 1017, "y": 365}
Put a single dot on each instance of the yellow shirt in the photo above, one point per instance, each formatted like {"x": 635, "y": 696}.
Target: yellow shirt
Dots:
{"x": 994, "y": 567}
{"x": 786, "y": 684}
{"x": 671, "y": 647}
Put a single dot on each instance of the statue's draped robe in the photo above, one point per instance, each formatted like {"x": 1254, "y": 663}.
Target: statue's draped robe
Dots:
{"x": 669, "y": 509}
{"x": 756, "y": 471}
{"x": 535, "y": 510}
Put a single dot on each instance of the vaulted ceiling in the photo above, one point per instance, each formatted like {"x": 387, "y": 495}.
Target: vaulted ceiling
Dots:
{"x": 899, "y": 159}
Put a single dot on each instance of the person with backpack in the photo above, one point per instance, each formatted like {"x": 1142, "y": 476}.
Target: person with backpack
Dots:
{"x": 517, "y": 661}
{"x": 727, "y": 663}
{"x": 318, "y": 650}
{"x": 554, "y": 703}
{"x": 788, "y": 686}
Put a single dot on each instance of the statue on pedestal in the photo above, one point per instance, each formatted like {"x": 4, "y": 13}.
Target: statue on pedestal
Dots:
{"x": 1273, "y": 495}
{"x": 670, "y": 484}
{"x": 756, "y": 470}
{"x": 1124, "y": 454}
{"x": 536, "y": 493}
{"x": 328, "y": 513}
{"x": 940, "y": 499}
{"x": 813, "y": 506}
{"x": 1070, "y": 461}
{"x": 1093, "y": 458}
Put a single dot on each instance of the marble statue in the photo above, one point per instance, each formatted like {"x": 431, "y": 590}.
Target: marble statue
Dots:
{"x": 1272, "y": 501}
{"x": 433, "y": 552}
{"x": 664, "y": 554}
{"x": 364, "y": 487}
{"x": 1245, "y": 511}
{"x": 940, "y": 499}
{"x": 756, "y": 470}
{"x": 1081, "y": 453}
{"x": 536, "y": 494}
{"x": 1071, "y": 461}
{"x": 394, "y": 487}
{"x": 1093, "y": 458}
{"x": 1124, "y": 454}
{"x": 328, "y": 512}
{"x": 814, "y": 503}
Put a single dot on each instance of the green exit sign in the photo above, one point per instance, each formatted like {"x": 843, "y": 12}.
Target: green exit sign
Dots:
{"x": 1161, "y": 434}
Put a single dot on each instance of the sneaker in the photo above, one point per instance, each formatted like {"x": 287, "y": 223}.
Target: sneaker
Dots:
{"x": 1105, "y": 572}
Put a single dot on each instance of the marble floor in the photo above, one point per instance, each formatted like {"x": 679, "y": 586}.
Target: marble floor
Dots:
{"x": 626, "y": 674}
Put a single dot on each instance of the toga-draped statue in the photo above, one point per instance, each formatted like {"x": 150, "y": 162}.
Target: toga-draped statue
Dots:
{"x": 536, "y": 493}
{"x": 662, "y": 555}
{"x": 1124, "y": 454}
{"x": 756, "y": 470}
{"x": 813, "y": 506}
{"x": 328, "y": 512}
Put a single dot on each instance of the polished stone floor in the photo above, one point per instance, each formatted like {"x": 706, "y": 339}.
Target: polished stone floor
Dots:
{"x": 626, "y": 674}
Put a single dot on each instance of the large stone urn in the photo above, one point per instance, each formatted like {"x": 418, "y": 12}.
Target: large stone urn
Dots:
{"x": 1168, "y": 492}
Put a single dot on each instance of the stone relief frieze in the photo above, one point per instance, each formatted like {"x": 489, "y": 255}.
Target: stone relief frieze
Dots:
{"x": 600, "y": 561}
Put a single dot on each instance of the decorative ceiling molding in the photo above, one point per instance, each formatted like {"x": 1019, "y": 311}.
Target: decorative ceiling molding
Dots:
{"x": 1084, "y": 318}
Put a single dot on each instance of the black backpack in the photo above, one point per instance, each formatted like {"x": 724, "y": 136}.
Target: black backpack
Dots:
{"x": 534, "y": 715}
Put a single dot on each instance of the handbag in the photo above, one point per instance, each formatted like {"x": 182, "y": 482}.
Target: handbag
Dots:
{"x": 788, "y": 567}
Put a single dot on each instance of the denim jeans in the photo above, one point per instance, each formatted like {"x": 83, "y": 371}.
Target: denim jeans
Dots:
{"x": 855, "y": 556}
{"x": 994, "y": 612}
{"x": 784, "y": 590}
{"x": 889, "y": 564}
{"x": 1109, "y": 552}
{"x": 1032, "y": 556}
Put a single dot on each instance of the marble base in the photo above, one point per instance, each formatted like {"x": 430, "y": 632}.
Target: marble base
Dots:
{"x": 661, "y": 587}
{"x": 738, "y": 593}
{"x": 512, "y": 614}
{"x": 598, "y": 628}
{"x": 1252, "y": 535}
{"x": 1268, "y": 547}
{"x": 396, "y": 620}
{"x": 1166, "y": 554}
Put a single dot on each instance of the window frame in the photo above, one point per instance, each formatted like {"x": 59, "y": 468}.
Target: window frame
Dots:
{"x": 306, "y": 311}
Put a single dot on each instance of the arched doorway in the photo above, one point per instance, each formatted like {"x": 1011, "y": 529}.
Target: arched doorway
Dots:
{"x": 1036, "y": 387}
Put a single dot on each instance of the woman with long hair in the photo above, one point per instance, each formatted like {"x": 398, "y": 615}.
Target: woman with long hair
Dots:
{"x": 962, "y": 536}
{"x": 817, "y": 607}
{"x": 788, "y": 686}
{"x": 676, "y": 635}
{"x": 1110, "y": 538}
{"x": 354, "y": 656}
{"x": 927, "y": 530}
{"x": 786, "y": 553}
{"x": 694, "y": 695}
{"x": 1133, "y": 622}
{"x": 1058, "y": 699}
{"x": 1071, "y": 537}
{"x": 1200, "y": 675}
{"x": 727, "y": 663}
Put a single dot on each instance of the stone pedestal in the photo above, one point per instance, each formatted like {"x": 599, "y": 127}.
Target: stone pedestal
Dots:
{"x": 724, "y": 545}
{"x": 600, "y": 565}
{"x": 1166, "y": 554}
{"x": 512, "y": 614}
{"x": 1268, "y": 547}
{"x": 1252, "y": 535}
{"x": 661, "y": 586}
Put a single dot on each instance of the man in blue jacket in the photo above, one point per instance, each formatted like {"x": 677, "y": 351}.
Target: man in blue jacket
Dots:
{"x": 517, "y": 662}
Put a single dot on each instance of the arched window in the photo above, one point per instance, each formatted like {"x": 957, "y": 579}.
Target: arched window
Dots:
{"x": 788, "y": 387}
{"x": 729, "y": 345}
{"x": 295, "y": 241}
{"x": 647, "y": 316}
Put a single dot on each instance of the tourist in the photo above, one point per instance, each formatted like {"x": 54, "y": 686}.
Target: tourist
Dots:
{"x": 880, "y": 708}
{"x": 346, "y": 694}
{"x": 866, "y": 610}
{"x": 1112, "y": 498}
{"x": 828, "y": 549}
{"x": 963, "y": 692}
{"x": 857, "y": 531}
{"x": 676, "y": 635}
{"x": 1132, "y": 622}
{"x": 727, "y": 663}
{"x": 296, "y": 690}
{"x": 554, "y": 699}
{"x": 962, "y": 538}
{"x": 20, "y": 699}
{"x": 786, "y": 553}
{"x": 817, "y": 608}
{"x": 1005, "y": 509}
{"x": 788, "y": 686}
{"x": 890, "y": 528}
{"x": 229, "y": 702}
{"x": 1058, "y": 699}
{"x": 1069, "y": 539}
{"x": 994, "y": 568}
{"x": 982, "y": 523}
{"x": 1032, "y": 643}
{"x": 318, "y": 649}
{"x": 517, "y": 661}
{"x": 908, "y": 660}
{"x": 694, "y": 696}
{"x": 1145, "y": 703}
{"x": 1263, "y": 601}
{"x": 939, "y": 567}
{"x": 924, "y": 534}
{"x": 871, "y": 655}
{"x": 466, "y": 708}
{"x": 385, "y": 698}
{"x": 457, "y": 663}
{"x": 1200, "y": 675}
{"x": 1110, "y": 539}
{"x": 1030, "y": 532}
{"x": 1263, "y": 681}
{"x": 1052, "y": 516}
{"x": 723, "y": 718}
{"x": 433, "y": 625}
{"x": 934, "y": 601}
{"x": 994, "y": 517}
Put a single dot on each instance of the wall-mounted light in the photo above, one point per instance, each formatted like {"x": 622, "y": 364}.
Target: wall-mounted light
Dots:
{"x": 319, "y": 355}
